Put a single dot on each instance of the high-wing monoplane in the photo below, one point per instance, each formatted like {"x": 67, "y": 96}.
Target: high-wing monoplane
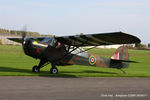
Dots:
{"x": 67, "y": 50}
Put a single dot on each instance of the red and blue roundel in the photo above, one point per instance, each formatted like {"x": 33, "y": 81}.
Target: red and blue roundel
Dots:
{"x": 92, "y": 60}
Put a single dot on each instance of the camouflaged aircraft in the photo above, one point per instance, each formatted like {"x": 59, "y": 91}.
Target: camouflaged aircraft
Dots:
{"x": 67, "y": 50}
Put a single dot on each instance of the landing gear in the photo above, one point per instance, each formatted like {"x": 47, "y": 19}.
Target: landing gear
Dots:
{"x": 35, "y": 69}
{"x": 41, "y": 64}
{"x": 54, "y": 69}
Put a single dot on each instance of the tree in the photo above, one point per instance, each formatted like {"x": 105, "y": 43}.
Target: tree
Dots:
{"x": 140, "y": 46}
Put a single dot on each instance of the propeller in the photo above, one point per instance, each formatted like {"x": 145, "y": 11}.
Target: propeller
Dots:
{"x": 23, "y": 42}
{"x": 24, "y": 34}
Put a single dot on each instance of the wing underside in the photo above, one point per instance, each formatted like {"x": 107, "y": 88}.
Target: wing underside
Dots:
{"x": 92, "y": 39}
{"x": 19, "y": 40}
{"x": 99, "y": 39}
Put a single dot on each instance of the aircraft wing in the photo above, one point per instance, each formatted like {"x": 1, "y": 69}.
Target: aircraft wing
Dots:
{"x": 99, "y": 39}
{"x": 19, "y": 40}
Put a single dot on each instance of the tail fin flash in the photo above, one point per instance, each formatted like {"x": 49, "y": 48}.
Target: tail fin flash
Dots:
{"x": 121, "y": 54}
{"x": 120, "y": 58}
{"x": 117, "y": 56}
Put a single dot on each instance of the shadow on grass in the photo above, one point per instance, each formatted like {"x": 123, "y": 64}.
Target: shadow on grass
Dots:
{"x": 100, "y": 72}
{"x": 95, "y": 72}
{"x": 30, "y": 73}
{"x": 26, "y": 72}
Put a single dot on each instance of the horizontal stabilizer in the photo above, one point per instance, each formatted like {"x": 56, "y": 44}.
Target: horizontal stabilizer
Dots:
{"x": 125, "y": 61}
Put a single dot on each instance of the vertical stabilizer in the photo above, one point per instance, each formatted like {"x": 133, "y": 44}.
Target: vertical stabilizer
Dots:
{"x": 120, "y": 58}
{"x": 121, "y": 54}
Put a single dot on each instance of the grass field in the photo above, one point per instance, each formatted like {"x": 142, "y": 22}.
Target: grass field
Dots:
{"x": 13, "y": 62}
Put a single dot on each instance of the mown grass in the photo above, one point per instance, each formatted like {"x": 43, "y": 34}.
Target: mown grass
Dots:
{"x": 13, "y": 62}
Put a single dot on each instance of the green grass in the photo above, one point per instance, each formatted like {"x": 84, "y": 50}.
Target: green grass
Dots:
{"x": 13, "y": 62}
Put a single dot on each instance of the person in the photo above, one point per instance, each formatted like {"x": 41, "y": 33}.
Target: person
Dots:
{"x": 58, "y": 44}
{"x": 61, "y": 47}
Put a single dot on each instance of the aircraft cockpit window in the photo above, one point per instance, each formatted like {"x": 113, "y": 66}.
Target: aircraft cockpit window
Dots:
{"x": 48, "y": 41}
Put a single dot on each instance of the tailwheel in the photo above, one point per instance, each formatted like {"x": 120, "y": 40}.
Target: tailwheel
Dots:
{"x": 35, "y": 69}
{"x": 53, "y": 70}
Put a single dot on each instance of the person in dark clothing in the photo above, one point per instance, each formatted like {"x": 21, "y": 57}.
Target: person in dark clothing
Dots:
{"x": 61, "y": 47}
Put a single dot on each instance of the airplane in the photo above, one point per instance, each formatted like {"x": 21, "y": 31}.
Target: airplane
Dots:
{"x": 67, "y": 50}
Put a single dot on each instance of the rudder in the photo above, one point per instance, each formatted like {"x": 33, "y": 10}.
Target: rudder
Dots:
{"x": 120, "y": 58}
{"x": 121, "y": 54}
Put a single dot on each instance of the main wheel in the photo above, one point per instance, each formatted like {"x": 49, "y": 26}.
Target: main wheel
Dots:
{"x": 35, "y": 69}
{"x": 54, "y": 70}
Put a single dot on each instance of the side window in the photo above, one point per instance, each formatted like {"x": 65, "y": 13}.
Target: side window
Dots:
{"x": 49, "y": 41}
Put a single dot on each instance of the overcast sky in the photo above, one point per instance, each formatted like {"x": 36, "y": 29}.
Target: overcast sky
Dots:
{"x": 70, "y": 17}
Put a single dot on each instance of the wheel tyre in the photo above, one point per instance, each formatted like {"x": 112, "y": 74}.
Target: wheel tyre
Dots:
{"x": 53, "y": 70}
{"x": 35, "y": 69}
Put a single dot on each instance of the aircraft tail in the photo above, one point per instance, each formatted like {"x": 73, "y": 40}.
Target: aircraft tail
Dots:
{"x": 120, "y": 58}
{"x": 121, "y": 54}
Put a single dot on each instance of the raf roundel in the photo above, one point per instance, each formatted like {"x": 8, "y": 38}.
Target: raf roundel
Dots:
{"x": 92, "y": 60}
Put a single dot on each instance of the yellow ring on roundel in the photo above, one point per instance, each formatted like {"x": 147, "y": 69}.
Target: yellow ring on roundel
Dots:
{"x": 92, "y": 60}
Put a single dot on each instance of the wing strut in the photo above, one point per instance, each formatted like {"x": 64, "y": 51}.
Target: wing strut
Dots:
{"x": 123, "y": 71}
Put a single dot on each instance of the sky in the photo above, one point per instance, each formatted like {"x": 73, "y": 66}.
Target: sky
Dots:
{"x": 71, "y": 17}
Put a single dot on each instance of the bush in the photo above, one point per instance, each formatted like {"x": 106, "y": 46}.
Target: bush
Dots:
{"x": 140, "y": 46}
{"x": 1, "y": 42}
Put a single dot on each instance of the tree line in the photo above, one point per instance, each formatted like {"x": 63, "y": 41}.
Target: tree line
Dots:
{"x": 18, "y": 32}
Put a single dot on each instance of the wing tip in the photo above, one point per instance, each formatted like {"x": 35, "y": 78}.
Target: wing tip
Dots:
{"x": 134, "y": 38}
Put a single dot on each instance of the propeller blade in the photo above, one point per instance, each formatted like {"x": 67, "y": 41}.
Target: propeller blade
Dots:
{"x": 24, "y": 34}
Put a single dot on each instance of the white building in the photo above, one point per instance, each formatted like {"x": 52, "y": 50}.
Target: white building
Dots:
{"x": 110, "y": 46}
{"x": 4, "y": 40}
